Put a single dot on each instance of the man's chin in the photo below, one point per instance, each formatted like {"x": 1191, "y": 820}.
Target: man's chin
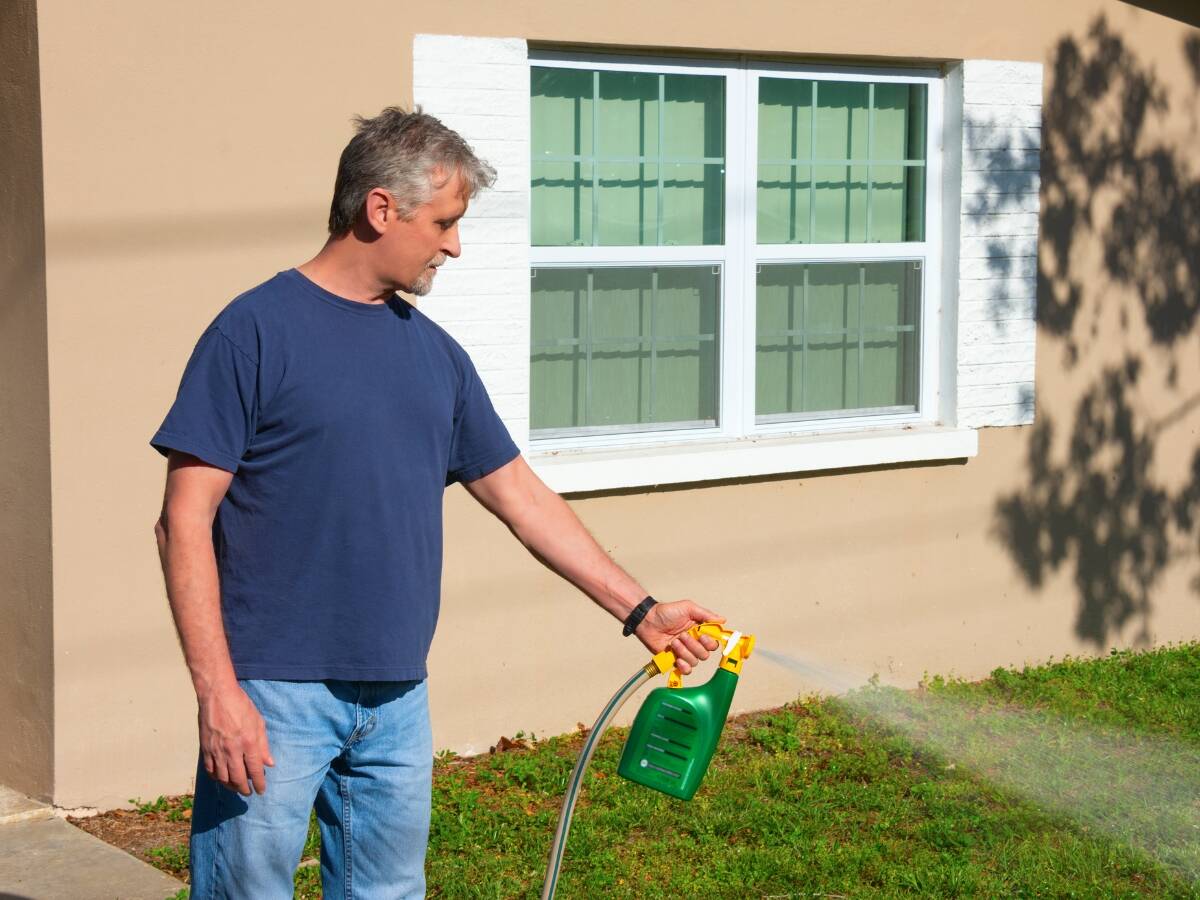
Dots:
{"x": 422, "y": 285}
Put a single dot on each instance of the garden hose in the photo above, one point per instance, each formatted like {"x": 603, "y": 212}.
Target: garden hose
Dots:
{"x": 627, "y": 690}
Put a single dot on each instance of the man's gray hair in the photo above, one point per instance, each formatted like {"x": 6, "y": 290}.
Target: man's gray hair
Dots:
{"x": 402, "y": 152}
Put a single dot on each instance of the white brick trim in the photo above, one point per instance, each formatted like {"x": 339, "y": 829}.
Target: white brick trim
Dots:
{"x": 480, "y": 88}
{"x": 997, "y": 244}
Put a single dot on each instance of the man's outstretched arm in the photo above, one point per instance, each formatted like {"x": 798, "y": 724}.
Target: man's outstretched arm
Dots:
{"x": 233, "y": 738}
{"x": 551, "y": 531}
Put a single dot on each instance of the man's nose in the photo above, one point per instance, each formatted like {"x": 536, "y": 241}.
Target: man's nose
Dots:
{"x": 451, "y": 246}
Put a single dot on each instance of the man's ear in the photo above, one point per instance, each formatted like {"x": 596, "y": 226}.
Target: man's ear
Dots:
{"x": 378, "y": 210}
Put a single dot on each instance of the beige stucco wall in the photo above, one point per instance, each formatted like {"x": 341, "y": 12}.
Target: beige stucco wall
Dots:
{"x": 26, "y": 598}
{"x": 189, "y": 152}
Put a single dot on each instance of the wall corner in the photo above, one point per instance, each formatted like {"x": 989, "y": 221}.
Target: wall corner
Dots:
{"x": 26, "y": 574}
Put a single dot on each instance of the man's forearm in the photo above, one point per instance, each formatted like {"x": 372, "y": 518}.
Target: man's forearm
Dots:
{"x": 190, "y": 570}
{"x": 551, "y": 531}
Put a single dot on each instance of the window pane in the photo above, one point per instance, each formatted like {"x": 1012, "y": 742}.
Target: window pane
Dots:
{"x": 784, "y": 195}
{"x": 693, "y": 204}
{"x": 561, "y": 200}
{"x": 837, "y": 338}
{"x": 841, "y": 143}
{"x": 914, "y": 203}
{"x": 655, "y": 143}
{"x": 888, "y": 211}
{"x": 626, "y": 203}
{"x": 559, "y": 365}
{"x": 627, "y": 114}
{"x": 621, "y": 348}
{"x": 561, "y": 112}
{"x": 841, "y": 120}
{"x": 840, "y": 201}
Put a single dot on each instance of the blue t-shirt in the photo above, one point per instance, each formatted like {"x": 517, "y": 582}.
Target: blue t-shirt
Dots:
{"x": 342, "y": 423}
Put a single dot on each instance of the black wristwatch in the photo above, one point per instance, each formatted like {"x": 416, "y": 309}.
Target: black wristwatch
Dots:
{"x": 636, "y": 616}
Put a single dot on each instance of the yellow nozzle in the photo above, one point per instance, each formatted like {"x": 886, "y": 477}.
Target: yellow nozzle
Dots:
{"x": 736, "y": 648}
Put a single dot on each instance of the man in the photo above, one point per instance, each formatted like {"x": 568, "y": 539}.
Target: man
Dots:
{"x": 317, "y": 424}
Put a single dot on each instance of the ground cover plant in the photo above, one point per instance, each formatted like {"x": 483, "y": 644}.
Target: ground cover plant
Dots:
{"x": 837, "y": 798}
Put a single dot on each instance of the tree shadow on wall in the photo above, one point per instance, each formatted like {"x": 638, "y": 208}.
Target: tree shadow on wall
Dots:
{"x": 1094, "y": 499}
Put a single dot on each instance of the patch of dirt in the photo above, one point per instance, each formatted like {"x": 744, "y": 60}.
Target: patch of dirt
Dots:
{"x": 139, "y": 832}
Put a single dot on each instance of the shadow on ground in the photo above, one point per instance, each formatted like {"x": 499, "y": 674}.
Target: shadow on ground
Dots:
{"x": 1098, "y": 499}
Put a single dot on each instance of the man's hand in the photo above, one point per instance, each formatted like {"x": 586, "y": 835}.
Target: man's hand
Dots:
{"x": 665, "y": 628}
{"x": 233, "y": 741}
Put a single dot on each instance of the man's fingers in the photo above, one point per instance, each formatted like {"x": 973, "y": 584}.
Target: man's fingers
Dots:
{"x": 683, "y": 654}
{"x": 697, "y": 647}
{"x": 220, "y": 773}
{"x": 264, "y": 745}
{"x": 254, "y": 768}
{"x": 237, "y": 777}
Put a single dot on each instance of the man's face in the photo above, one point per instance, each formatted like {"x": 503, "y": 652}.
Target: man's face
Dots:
{"x": 417, "y": 246}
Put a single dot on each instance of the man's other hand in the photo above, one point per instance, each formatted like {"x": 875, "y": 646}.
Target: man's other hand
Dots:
{"x": 233, "y": 741}
{"x": 665, "y": 628}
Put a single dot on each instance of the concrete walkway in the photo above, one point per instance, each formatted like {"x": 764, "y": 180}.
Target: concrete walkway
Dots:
{"x": 44, "y": 858}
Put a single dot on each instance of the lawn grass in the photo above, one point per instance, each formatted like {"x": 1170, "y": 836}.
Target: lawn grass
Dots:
{"x": 816, "y": 799}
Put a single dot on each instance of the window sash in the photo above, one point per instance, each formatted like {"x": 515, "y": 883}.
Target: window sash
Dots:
{"x": 661, "y": 325}
{"x": 740, "y": 255}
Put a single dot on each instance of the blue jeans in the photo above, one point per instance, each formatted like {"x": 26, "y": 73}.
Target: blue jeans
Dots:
{"x": 361, "y": 752}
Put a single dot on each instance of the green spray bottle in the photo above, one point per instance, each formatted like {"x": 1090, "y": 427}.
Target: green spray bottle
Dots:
{"x": 673, "y": 737}
{"x": 675, "y": 734}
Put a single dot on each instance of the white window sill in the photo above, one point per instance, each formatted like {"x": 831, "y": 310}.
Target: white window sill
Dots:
{"x": 572, "y": 471}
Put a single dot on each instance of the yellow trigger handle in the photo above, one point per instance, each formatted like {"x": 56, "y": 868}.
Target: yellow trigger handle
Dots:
{"x": 735, "y": 648}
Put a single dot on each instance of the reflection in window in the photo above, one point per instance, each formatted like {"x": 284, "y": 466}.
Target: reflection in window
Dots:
{"x": 627, "y": 158}
{"x": 836, "y": 338}
{"x": 619, "y": 347}
{"x": 840, "y": 162}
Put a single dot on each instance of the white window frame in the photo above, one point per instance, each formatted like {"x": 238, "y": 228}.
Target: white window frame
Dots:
{"x": 740, "y": 254}
{"x": 738, "y": 447}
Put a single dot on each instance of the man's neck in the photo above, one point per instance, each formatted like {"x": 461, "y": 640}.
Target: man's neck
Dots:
{"x": 339, "y": 269}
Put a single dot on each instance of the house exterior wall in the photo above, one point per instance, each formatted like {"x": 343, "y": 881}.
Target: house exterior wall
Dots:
{"x": 189, "y": 153}
{"x": 26, "y": 596}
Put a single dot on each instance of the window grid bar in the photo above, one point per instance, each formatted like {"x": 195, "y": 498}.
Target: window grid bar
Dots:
{"x": 578, "y": 168}
{"x": 836, "y": 332}
{"x": 587, "y": 363}
{"x": 793, "y": 172}
{"x": 653, "y": 337}
{"x": 595, "y": 181}
{"x": 804, "y": 337}
{"x": 870, "y": 168}
{"x": 626, "y": 341}
{"x": 662, "y": 99}
{"x": 833, "y": 162}
{"x": 642, "y": 158}
{"x": 862, "y": 289}
{"x": 812, "y": 172}
{"x": 791, "y": 347}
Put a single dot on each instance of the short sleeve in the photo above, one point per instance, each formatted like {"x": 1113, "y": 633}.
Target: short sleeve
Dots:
{"x": 480, "y": 443}
{"x": 215, "y": 412}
